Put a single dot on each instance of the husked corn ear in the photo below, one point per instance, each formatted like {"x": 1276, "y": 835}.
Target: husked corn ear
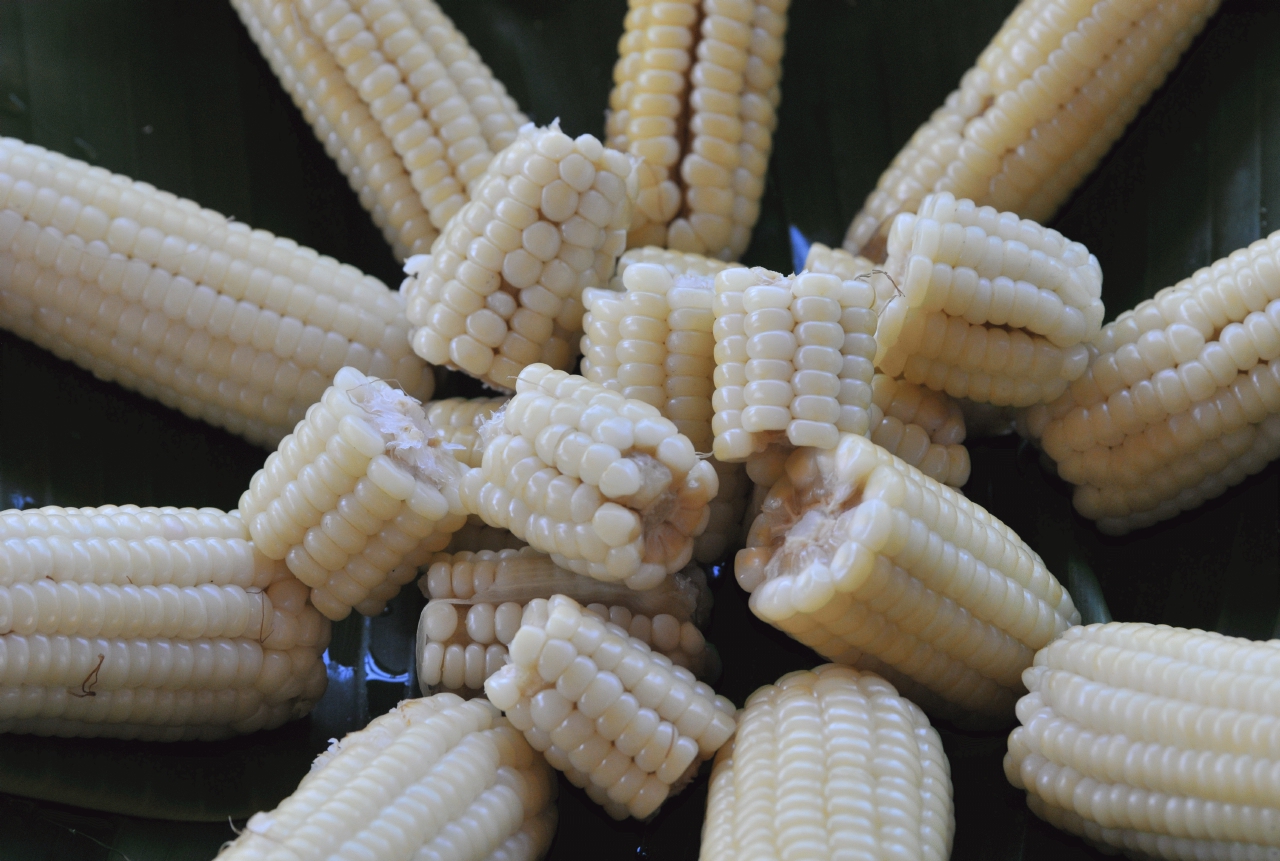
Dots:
{"x": 853, "y": 770}
{"x": 475, "y": 602}
{"x": 621, "y": 721}
{"x": 696, "y": 96}
{"x": 458, "y": 421}
{"x": 1046, "y": 100}
{"x": 359, "y": 495}
{"x": 923, "y": 427}
{"x": 476, "y": 535}
{"x": 1153, "y": 740}
{"x": 1181, "y": 399}
{"x": 434, "y": 778}
{"x": 502, "y": 287}
{"x": 230, "y": 325}
{"x": 873, "y": 564}
{"x": 793, "y": 360}
{"x": 603, "y": 483}
{"x": 152, "y": 623}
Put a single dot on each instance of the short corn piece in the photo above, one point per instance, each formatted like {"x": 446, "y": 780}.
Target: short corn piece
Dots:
{"x": 602, "y": 483}
{"x": 150, "y": 623}
{"x": 502, "y": 288}
{"x": 433, "y": 778}
{"x": 357, "y": 497}
{"x": 830, "y": 763}
{"x": 230, "y": 325}
{"x": 873, "y": 564}
{"x": 1157, "y": 741}
{"x": 619, "y": 720}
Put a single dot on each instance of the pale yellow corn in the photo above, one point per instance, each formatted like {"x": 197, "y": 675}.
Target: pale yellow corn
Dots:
{"x": 475, "y": 602}
{"x": 1157, "y": 741}
{"x": 359, "y": 495}
{"x": 458, "y": 420}
{"x": 871, "y": 563}
{"x": 1048, "y": 97}
{"x": 502, "y": 287}
{"x": 851, "y": 769}
{"x": 1181, "y": 399}
{"x": 696, "y": 96}
{"x": 227, "y": 324}
{"x": 676, "y": 262}
{"x": 434, "y": 778}
{"x": 604, "y": 484}
{"x": 923, "y": 427}
{"x": 620, "y": 720}
{"x": 151, "y": 623}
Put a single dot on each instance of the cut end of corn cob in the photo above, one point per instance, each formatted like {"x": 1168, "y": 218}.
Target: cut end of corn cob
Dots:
{"x": 855, "y": 767}
{"x": 434, "y": 778}
{"x": 620, "y": 720}
{"x": 871, "y": 563}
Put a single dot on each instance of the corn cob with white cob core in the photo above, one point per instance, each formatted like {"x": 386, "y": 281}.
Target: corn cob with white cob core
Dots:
{"x": 1048, "y": 97}
{"x": 1181, "y": 399}
{"x": 230, "y": 325}
{"x": 475, "y": 601}
{"x": 873, "y": 564}
{"x": 359, "y": 495}
{"x": 696, "y": 96}
{"x": 1153, "y": 740}
{"x": 851, "y": 768}
{"x": 502, "y": 287}
{"x": 923, "y": 427}
{"x": 621, "y": 721}
{"x": 434, "y": 778}
{"x": 603, "y": 483}
{"x": 150, "y": 623}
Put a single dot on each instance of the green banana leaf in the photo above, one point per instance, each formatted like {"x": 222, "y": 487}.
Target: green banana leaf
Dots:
{"x": 175, "y": 93}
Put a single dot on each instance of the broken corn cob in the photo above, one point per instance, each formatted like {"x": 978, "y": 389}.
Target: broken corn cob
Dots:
{"x": 830, "y": 763}
{"x": 475, "y": 601}
{"x": 502, "y": 288}
{"x": 922, "y": 427}
{"x": 356, "y": 497}
{"x": 619, "y": 720}
{"x": 150, "y": 623}
{"x": 602, "y": 483}
{"x": 433, "y": 778}
{"x": 230, "y": 325}
{"x": 1153, "y": 740}
{"x": 1046, "y": 100}
{"x": 696, "y": 96}
{"x": 873, "y": 564}
{"x": 1181, "y": 399}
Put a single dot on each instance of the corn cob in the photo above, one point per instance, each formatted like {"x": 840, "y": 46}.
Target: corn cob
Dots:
{"x": 922, "y": 427}
{"x": 676, "y": 262}
{"x": 696, "y": 96}
{"x": 837, "y": 261}
{"x": 620, "y": 720}
{"x": 1154, "y": 740}
{"x": 1181, "y": 399}
{"x": 502, "y": 288}
{"x": 602, "y": 483}
{"x": 227, "y": 324}
{"x": 357, "y": 497}
{"x": 434, "y": 778}
{"x": 793, "y": 360}
{"x": 152, "y": 623}
{"x": 830, "y": 763}
{"x": 873, "y": 564}
{"x": 475, "y": 601}
{"x": 458, "y": 421}
{"x": 1048, "y": 97}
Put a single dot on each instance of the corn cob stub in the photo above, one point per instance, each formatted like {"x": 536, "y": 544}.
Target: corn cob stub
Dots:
{"x": 1153, "y": 740}
{"x": 227, "y": 324}
{"x": 150, "y": 623}
{"x": 433, "y": 778}
{"x": 618, "y": 719}
{"x": 873, "y": 564}
{"x": 852, "y": 769}
{"x": 358, "y": 496}
{"x": 502, "y": 287}
{"x": 475, "y": 602}
{"x": 603, "y": 483}
{"x": 1045, "y": 101}
{"x": 696, "y": 96}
